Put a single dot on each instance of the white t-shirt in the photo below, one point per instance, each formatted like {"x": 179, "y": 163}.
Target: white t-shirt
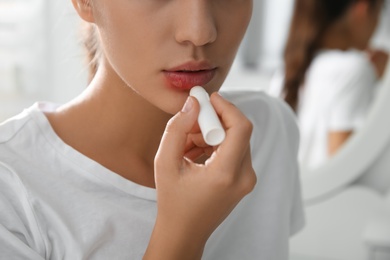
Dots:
{"x": 338, "y": 89}
{"x": 55, "y": 203}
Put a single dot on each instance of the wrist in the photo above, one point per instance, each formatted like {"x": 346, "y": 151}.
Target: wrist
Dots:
{"x": 171, "y": 241}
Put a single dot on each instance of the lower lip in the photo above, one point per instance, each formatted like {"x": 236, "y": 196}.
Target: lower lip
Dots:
{"x": 187, "y": 80}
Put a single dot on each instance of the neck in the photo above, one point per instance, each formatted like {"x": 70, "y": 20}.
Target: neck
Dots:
{"x": 113, "y": 125}
{"x": 336, "y": 37}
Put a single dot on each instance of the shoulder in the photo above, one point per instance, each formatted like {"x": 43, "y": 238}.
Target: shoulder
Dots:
{"x": 274, "y": 150}
{"x": 352, "y": 62}
{"x": 259, "y": 105}
{"x": 12, "y": 126}
{"x": 16, "y": 135}
{"x": 271, "y": 117}
{"x": 341, "y": 72}
{"x": 18, "y": 218}
{"x": 11, "y": 131}
{"x": 23, "y": 132}
{"x": 19, "y": 137}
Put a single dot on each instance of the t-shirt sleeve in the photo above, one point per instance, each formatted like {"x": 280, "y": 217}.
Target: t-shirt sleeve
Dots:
{"x": 297, "y": 212}
{"x": 355, "y": 87}
{"x": 276, "y": 203}
{"x": 297, "y": 208}
{"x": 19, "y": 232}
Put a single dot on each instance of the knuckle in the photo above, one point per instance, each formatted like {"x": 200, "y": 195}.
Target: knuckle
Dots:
{"x": 249, "y": 182}
{"x": 246, "y": 126}
{"x": 157, "y": 160}
{"x": 249, "y": 126}
{"x": 171, "y": 125}
{"x": 162, "y": 162}
{"x": 158, "y": 163}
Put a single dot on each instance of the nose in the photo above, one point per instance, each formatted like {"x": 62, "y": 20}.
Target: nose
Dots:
{"x": 195, "y": 24}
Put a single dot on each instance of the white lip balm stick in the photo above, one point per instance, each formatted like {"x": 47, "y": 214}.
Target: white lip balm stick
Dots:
{"x": 210, "y": 126}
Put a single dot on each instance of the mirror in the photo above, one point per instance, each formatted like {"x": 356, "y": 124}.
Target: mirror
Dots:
{"x": 345, "y": 196}
{"x": 356, "y": 157}
{"x": 361, "y": 158}
{"x": 337, "y": 86}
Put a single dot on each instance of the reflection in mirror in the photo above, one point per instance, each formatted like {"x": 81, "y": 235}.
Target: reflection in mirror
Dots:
{"x": 330, "y": 72}
{"x": 347, "y": 199}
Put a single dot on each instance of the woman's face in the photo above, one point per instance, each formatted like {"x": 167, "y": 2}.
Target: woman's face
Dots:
{"x": 162, "y": 48}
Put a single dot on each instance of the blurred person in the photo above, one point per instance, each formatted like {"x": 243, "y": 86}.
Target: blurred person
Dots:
{"x": 122, "y": 171}
{"x": 330, "y": 73}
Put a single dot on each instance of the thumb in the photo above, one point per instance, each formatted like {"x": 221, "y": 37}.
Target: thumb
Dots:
{"x": 170, "y": 154}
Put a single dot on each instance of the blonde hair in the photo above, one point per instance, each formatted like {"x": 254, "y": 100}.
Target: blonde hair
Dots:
{"x": 92, "y": 47}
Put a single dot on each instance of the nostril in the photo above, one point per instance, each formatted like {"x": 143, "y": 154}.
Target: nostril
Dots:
{"x": 196, "y": 29}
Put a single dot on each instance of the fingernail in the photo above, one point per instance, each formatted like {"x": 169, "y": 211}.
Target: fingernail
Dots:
{"x": 188, "y": 105}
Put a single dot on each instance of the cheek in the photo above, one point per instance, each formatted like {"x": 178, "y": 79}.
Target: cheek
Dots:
{"x": 234, "y": 21}
{"x": 123, "y": 29}
{"x": 128, "y": 47}
{"x": 232, "y": 32}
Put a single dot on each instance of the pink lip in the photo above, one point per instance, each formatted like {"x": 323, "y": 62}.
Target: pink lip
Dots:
{"x": 190, "y": 74}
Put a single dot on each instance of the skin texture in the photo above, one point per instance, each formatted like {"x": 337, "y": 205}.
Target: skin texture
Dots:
{"x": 354, "y": 30}
{"x": 131, "y": 122}
{"x": 336, "y": 140}
{"x": 380, "y": 60}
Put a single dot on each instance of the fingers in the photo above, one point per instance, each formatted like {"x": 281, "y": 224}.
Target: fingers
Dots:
{"x": 180, "y": 140}
{"x": 196, "y": 154}
{"x": 196, "y": 147}
{"x": 195, "y": 140}
{"x": 238, "y": 132}
{"x": 172, "y": 147}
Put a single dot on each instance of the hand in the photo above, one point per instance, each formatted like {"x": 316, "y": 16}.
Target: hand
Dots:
{"x": 379, "y": 59}
{"x": 193, "y": 199}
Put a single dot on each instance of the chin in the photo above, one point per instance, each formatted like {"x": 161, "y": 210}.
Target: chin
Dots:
{"x": 173, "y": 108}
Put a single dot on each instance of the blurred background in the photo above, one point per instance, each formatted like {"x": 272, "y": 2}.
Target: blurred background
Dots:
{"x": 39, "y": 40}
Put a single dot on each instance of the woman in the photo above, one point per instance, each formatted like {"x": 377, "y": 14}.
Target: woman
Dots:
{"x": 122, "y": 172}
{"x": 329, "y": 80}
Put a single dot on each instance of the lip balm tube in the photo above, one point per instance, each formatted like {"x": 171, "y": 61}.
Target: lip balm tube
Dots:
{"x": 210, "y": 126}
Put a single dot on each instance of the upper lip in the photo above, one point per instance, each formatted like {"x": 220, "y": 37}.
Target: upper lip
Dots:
{"x": 192, "y": 66}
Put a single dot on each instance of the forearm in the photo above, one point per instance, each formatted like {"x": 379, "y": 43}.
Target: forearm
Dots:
{"x": 336, "y": 140}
